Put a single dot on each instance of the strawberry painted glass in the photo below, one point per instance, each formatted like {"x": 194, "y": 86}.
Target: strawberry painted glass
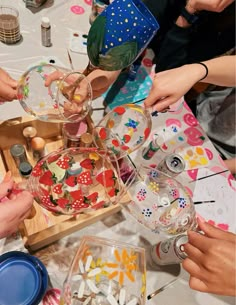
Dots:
{"x": 123, "y": 130}
{"x": 75, "y": 180}
{"x": 57, "y": 100}
{"x": 106, "y": 272}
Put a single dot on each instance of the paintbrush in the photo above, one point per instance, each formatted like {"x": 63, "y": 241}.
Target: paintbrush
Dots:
{"x": 209, "y": 176}
{"x": 150, "y": 296}
{"x": 70, "y": 60}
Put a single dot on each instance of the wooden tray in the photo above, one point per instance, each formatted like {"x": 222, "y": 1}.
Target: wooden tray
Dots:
{"x": 42, "y": 228}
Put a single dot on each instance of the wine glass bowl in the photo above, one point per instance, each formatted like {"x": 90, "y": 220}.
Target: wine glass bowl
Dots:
{"x": 105, "y": 272}
{"x": 123, "y": 130}
{"x": 58, "y": 101}
{"x": 120, "y": 34}
{"x": 160, "y": 202}
{"x": 75, "y": 180}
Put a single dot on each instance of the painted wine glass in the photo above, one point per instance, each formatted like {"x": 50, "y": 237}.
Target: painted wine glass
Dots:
{"x": 75, "y": 180}
{"x": 106, "y": 272}
{"x": 58, "y": 100}
{"x": 160, "y": 202}
{"x": 123, "y": 130}
{"x": 119, "y": 35}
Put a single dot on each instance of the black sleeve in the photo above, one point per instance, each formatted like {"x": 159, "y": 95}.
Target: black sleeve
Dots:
{"x": 174, "y": 49}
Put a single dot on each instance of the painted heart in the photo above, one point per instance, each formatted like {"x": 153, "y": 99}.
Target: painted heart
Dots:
{"x": 76, "y": 194}
{"x": 113, "y": 192}
{"x": 47, "y": 178}
{"x": 192, "y": 173}
{"x": 93, "y": 197}
{"x": 87, "y": 163}
{"x": 63, "y": 202}
{"x": 57, "y": 189}
{"x": 106, "y": 178}
{"x": 71, "y": 181}
{"x": 103, "y": 134}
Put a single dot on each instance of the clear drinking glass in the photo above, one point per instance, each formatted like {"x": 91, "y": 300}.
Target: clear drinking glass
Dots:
{"x": 57, "y": 101}
{"x": 123, "y": 130}
{"x": 75, "y": 180}
{"x": 105, "y": 272}
{"x": 160, "y": 202}
{"x": 9, "y": 25}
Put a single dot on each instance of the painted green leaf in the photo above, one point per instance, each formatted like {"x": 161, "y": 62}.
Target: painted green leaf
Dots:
{"x": 96, "y": 39}
{"x": 119, "y": 57}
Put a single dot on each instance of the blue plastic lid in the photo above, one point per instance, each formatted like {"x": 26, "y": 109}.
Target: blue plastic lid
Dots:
{"x": 23, "y": 279}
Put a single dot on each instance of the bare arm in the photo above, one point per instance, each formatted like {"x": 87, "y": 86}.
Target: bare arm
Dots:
{"x": 169, "y": 86}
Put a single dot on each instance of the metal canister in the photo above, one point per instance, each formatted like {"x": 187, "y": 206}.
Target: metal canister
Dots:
{"x": 169, "y": 251}
{"x": 172, "y": 165}
{"x": 18, "y": 153}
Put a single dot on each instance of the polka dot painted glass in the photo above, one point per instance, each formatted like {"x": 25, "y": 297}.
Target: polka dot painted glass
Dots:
{"x": 120, "y": 34}
{"x": 75, "y": 180}
{"x": 105, "y": 272}
{"x": 123, "y": 130}
{"x": 57, "y": 102}
{"x": 160, "y": 202}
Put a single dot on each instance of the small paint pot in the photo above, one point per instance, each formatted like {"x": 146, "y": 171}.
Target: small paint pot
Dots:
{"x": 72, "y": 133}
{"x": 23, "y": 279}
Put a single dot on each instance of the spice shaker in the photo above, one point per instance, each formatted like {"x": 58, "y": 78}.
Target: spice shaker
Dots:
{"x": 29, "y": 133}
{"x": 18, "y": 153}
{"x": 38, "y": 147}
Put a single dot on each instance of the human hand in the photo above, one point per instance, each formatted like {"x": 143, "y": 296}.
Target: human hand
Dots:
{"x": 170, "y": 85}
{"x": 99, "y": 80}
{"x": 13, "y": 208}
{"x": 7, "y": 87}
{"x": 216, "y": 6}
{"x": 211, "y": 260}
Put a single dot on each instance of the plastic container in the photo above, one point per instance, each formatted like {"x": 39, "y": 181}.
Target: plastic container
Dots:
{"x": 23, "y": 279}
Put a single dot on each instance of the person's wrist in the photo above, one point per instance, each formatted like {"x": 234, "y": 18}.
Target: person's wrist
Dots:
{"x": 190, "y": 7}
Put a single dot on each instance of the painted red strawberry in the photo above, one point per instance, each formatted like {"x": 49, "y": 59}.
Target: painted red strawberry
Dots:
{"x": 106, "y": 178}
{"x": 99, "y": 205}
{"x": 119, "y": 110}
{"x": 125, "y": 147}
{"x": 103, "y": 133}
{"x": 113, "y": 192}
{"x": 47, "y": 178}
{"x": 93, "y": 197}
{"x": 63, "y": 163}
{"x": 71, "y": 181}
{"x": 79, "y": 204}
{"x": 115, "y": 142}
{"x": 76, "y": 194}
{"x": 46, "y": 201}
{"x": 53, "y": 158}
{"x": 87, "y": 163}
{"x": 63, "y": 202}
{"x": 37, "y": 171}
{"x": 126, "y": 138}
{"x": 85, "y": 178}
{"x": 57, "y": 189}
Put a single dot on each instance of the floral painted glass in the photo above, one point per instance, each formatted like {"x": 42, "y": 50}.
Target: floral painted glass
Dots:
{"x": 105, "y": 272}
{"x": 120, "y": 34}
{"x": 123, "y": 130}
{"x": 160, "y": 202}
{"x": 75, "y": 180}
{"x": 57, "y": 102}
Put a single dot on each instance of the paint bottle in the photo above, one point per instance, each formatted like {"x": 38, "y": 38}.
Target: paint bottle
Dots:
{"x": 72, "y": 133}
{"x": 169, "y": 251}
{"x": 86, "y": 140}
{"x": 152, "y": 148}
{"x": 46, "y": 32}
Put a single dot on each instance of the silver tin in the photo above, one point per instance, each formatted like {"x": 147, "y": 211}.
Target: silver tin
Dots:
{"x": 172, "y": 165}
{"x": 169, "y": 251}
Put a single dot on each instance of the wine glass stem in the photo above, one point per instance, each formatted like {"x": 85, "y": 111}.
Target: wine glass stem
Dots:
{"x": 90, "y": 68}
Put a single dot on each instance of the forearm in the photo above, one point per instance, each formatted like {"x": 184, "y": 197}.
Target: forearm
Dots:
{"x": 221, "y": 71}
